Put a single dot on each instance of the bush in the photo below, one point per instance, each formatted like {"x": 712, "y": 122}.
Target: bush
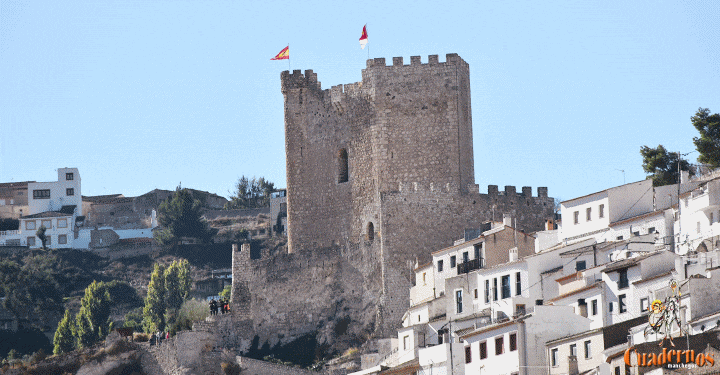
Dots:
{"x": 191, "y": 311}
{"x": 141, "y": 337}
{"x": 230, "y": 368}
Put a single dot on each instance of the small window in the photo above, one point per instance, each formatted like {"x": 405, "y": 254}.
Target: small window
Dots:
{"x": 621, "y": 303}
{"x": 518, "y": 284}
{"x": 406, "y": 342}
{"x": 62, "y": 223}
{"x": 576, "y": 217}
{"x": 487, "y": 291}
{"x": 31, "y": 241}
{"x": 453, "y": 261}
{"x": 513, "y": 342}
{"x": 588, "y": 353}
{"x": 440, "y": 265}
{"x": 594, "y": 305}
{"x": 505, "y": 280}
{"x": 651, "y": 230}
{"x": 573, "y": 350}
{"x": 476, "y": 293}
{"x": 623, "y": 279}
{"x": 466, "y": 257}
{"x": 47, "y": 224}
{"x": 483, "y": 350}
{"x": 495, "y": 289}
{"x": 617, "y": 368}
{"x": 342, "y": 166}
{"x": 458, "y": 302}
{"x": 499, "y": 345}
{"x": 49, "y": 241}
{"x": 424, "y": 275}
{"x": 588, "y": 214}
{"x": 601, "y": 211}
{"x": 30, "y": 225}
{"x": 41, "y": 194}
{"x": 69, "y": 176}
{"x": 370, "y": 231}
{"x": 580, "y": 265}
{"x": 644, "y": 304}
{"x": 468, "y": 355}
{"x": 62, "y": 239}
{"x": 69, "y": 192}
{"x": 554, "y": 357}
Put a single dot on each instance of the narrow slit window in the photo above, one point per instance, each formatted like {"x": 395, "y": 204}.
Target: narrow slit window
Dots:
{"x": 342, "y": 166}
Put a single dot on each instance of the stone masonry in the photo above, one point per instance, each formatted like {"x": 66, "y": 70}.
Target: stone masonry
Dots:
{"x": 380, "y": 173}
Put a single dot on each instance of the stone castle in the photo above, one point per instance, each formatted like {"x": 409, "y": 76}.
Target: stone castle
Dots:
{"x": 380, "y": 173}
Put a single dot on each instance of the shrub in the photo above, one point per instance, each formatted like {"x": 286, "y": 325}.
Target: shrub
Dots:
{"x": 141, "y": 337}
{"x": 191, "y": 311}
{"x": 230, "y": 368}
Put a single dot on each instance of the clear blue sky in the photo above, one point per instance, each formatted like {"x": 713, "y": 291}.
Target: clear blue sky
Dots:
{"x": 147, "y": 94}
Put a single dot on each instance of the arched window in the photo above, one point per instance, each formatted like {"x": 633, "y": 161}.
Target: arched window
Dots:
{"x": 342, "y": 166}
{"x": 370, "y": 231}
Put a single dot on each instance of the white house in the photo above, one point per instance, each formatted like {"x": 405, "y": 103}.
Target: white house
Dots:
{"x": 518, "y": 346}
{"x": 53, "y": 205}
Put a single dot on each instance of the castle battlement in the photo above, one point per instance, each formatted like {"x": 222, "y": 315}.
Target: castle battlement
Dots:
{"x": 450, "y": 59}
{"x": 297, "y": 79}
{"x": 512, "y": 191}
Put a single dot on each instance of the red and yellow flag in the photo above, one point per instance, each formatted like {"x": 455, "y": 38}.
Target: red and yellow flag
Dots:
{"x": 363, "y": 37}
{"x": 283, "y": 55}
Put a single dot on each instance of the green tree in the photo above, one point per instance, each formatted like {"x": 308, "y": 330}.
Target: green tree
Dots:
{"x": 64, "y": 341}
{"x": 181, "y": 216}
{"x": 154, "y": 310}
{"x": 92, "y": 323}
{"x": 177, "y": 284}
{"x": 251, "y": 193}
{"x": 30, "y": 288}
{"x": 662, "y": 166}
{"x": 708, "y": 144}
{"x": 42, "y": 236}
{"x": 225, "y": 293}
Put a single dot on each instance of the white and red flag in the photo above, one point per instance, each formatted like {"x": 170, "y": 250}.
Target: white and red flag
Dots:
{"x": 363, "y": 38}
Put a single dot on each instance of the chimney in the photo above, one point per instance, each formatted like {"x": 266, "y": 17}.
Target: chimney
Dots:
{"x": 549, "y": 225}
{"x": 507, "y": 220}
{"x": 684, "y": 176}
{"x": 513, "y": 254}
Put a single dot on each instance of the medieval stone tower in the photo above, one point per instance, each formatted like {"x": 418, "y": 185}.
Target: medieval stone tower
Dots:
{"x": 384, "y": 168}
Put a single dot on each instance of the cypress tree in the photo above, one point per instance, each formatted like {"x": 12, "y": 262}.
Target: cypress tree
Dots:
{"x": 154, "y": 310}
{"x": 64, "y": 340}
{"x": 92, "y": 322}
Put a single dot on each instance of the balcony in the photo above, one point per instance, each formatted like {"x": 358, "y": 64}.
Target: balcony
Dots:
{"x": 471, "y": 265}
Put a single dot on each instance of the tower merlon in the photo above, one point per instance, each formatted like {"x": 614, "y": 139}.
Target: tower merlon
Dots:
{"x": 297, "y": 80}
{"x": 450, "y": 58}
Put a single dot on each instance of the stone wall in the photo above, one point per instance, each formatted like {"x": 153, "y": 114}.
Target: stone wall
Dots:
{"x": 249, "y": 366}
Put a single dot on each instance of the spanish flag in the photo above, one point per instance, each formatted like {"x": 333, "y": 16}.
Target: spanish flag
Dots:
{"x": 283, "y": 55}
{"x": 363, "y": 37}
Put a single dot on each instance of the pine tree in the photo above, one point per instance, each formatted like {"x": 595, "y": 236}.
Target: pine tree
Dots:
{"x": 154, "y": 310}
{"x": 181, "y": 216}
{"x": 92, "y": 322}
{"x": 64, "y": 341}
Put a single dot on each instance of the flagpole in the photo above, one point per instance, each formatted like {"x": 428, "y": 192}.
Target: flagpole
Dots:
{"x": 289, "y": 68}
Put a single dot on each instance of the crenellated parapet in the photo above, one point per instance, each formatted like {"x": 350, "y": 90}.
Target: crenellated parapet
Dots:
{"x": 415, "y": 61}
{"x": 297, "y": 80}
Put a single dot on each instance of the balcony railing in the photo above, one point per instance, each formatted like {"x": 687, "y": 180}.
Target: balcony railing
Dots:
{"x": 471, "y": 265}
